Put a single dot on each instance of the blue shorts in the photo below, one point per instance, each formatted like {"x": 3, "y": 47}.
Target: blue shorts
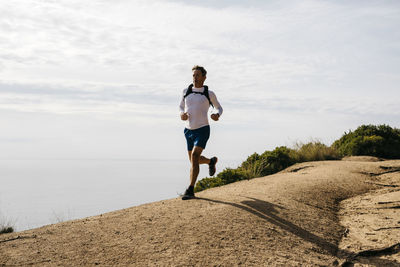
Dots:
{"x": 197, "y": 137}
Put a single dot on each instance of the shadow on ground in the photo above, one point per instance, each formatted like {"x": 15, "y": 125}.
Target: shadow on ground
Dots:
{"x": 269, "y": 212}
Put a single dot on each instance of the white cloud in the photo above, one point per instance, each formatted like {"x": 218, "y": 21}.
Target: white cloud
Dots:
{"x": 127, "y": 41}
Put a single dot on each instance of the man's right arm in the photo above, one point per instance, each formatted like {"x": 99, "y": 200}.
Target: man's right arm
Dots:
{"x": 184, "y": 115}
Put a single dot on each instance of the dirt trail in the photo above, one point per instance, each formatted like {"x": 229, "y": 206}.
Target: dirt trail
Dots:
{"x": 288, "y": 219}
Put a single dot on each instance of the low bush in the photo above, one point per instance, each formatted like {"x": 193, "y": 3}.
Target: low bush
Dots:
{"x": 254, "y": 166}
{"x": 369, "y": 140}
{"x": 314, "y": 151}
{"x": 5, "y": 225}
{"x": 227, "y": 176}
{"x": 5, "y": 230}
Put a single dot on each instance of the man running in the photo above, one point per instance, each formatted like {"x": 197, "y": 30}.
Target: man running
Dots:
{"x": 196, "y": 101}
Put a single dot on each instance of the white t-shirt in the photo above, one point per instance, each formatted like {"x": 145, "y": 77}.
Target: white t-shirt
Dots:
{"x": 197, "y": 105}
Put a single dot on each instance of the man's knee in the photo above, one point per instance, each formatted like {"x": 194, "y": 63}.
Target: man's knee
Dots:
{"x": 196, "y": 153}
{"x": 195, "y": 156}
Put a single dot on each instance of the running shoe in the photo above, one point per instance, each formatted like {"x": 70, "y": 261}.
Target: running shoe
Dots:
{"x": 211, "y": 166}
{"x": 189, "y": 194}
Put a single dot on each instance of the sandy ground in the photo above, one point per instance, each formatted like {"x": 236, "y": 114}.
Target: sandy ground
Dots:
{"x": 330, "y": 213}
{"x": 372, "y": 220}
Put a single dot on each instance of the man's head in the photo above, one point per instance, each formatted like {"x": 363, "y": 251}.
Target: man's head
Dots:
{"x": 199, "y": 76}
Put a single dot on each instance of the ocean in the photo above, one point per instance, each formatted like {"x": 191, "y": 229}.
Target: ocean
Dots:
{"x": 34, "y": 193}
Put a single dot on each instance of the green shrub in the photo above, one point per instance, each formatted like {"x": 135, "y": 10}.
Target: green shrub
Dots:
{"x": 370, "y": 140}
{"x": 5, "y": 225}
{"x": 254, "y": 166}
{"x": 208, "y": 182}
{"x": 5, "y": 230}
{"x": 227, "y": 176}
{"x": 276, "y": 160}
{"x": 268, "y": 163}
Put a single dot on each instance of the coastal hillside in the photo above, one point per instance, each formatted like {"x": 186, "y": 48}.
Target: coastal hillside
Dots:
{"x": 326, "y": 213}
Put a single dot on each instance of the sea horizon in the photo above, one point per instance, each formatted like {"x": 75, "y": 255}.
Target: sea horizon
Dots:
{"x": 42, "y": 191}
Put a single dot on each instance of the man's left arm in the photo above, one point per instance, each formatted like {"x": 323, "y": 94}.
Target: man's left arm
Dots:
{"x": 217, "y": 106}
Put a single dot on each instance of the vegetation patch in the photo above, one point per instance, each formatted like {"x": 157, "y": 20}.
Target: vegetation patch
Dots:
{"x": 5, "y": 230}
{"x": 380, "y": 141}
{"x": 268, "y": 163}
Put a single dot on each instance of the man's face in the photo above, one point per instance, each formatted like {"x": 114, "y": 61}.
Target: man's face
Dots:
{"x": 198, "y": 78}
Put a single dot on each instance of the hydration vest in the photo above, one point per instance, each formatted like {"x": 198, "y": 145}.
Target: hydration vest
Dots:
{"x": 205, "y": 93}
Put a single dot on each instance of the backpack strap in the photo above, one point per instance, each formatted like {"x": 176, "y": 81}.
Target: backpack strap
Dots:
{"x": 205, "y": 93}
{"x": 189, "y": 90}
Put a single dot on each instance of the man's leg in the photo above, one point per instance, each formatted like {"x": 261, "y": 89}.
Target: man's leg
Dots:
{"x": 203, "y": 160}
{"x": 195, "y": 162}
{"x": 195, "y": 159}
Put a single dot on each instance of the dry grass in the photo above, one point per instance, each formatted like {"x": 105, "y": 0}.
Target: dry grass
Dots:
{"x": 314, "y": 151}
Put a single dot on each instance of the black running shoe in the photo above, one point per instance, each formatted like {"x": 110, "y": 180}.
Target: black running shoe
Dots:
{"x": 189, "y": 194}
{"x": 211, "y": 166}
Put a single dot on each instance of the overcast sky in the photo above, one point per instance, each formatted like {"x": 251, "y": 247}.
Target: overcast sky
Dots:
{"x": 103, "y": 79}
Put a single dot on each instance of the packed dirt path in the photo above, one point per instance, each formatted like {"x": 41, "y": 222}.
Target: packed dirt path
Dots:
{"x": 292, "y": 218}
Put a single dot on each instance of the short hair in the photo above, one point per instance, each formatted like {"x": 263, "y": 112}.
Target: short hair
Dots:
{"x": 200, "y": 68}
